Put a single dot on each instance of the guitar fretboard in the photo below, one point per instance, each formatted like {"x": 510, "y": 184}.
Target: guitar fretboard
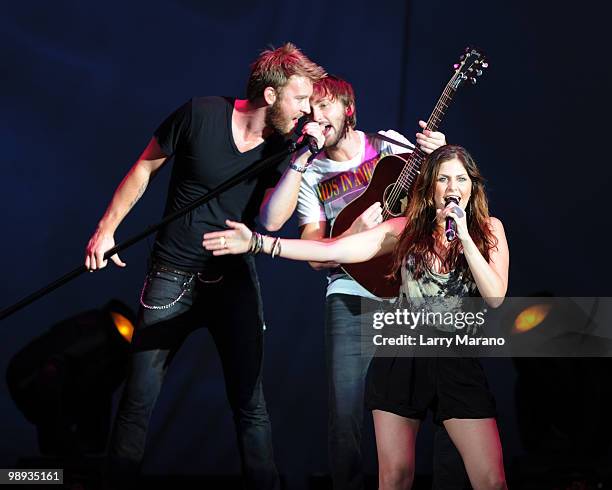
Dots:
{"x": 415, "y": 160}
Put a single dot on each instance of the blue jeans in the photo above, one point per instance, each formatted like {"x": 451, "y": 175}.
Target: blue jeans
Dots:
{"x": 347, "y": 366}
{"x": 177, "y": 303}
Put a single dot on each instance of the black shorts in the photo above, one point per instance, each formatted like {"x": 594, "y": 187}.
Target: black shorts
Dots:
{"x": 452, "y": 387}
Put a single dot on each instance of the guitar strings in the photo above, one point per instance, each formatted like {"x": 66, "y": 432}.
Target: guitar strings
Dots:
{"x": 410, "y": 170}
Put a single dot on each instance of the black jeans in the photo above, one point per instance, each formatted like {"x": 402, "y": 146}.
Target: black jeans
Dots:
{"x": 174, "y": 304}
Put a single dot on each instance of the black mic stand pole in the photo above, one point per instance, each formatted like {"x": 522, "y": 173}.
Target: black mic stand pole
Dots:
{"x": 251, "y": 171}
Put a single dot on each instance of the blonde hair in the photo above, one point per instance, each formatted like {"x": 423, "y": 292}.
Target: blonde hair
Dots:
{"x": 274, "y": 67}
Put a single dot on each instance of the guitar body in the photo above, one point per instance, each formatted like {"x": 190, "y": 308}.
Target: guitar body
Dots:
{"x": 382, "y": 187}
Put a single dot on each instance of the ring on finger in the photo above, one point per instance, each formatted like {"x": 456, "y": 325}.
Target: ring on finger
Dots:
{"x": 222, "y": 242}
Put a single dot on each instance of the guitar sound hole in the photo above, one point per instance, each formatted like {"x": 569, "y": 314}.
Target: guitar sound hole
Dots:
{"x": 395, "y": 201}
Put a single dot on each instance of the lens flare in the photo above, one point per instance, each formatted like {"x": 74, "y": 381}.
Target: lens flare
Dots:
{"x": 530, "y": 318}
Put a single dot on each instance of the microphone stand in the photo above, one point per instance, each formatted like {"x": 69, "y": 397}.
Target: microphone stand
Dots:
{"x": 245, "y": 174}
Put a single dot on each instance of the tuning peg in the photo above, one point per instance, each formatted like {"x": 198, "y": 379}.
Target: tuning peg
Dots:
{"x": 456, "y": 65}
{"x": 473, "y": 80}
{"x": 485, "y": 65}
{"x": 462, "y": 57}
{"x": 478, "y": 73}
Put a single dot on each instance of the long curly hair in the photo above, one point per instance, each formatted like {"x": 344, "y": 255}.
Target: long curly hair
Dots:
{"x": 417, "y": 239}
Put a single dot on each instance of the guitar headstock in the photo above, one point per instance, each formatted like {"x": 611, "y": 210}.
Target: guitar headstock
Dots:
{"x": 472, "y": 64}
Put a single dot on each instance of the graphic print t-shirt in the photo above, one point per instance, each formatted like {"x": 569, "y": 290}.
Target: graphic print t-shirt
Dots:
{"x": 328, "y": 186}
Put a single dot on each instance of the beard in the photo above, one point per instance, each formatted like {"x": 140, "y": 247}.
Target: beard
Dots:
{"x": 277, "y": 120}
{"x": 341, "y": 133}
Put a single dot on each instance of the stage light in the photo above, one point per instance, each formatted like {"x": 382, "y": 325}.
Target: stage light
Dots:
{"x": 63, "y": 381}
{"x": 124, "y": 326}
{"x": 563, "y": 394}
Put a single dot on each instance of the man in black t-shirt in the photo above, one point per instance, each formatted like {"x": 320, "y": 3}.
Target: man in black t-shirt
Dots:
{"x": 211, "y": 139}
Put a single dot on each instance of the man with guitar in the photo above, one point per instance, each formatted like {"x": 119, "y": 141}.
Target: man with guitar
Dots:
{"x": 320, "y": 190}
{"x": 211, "y": 140}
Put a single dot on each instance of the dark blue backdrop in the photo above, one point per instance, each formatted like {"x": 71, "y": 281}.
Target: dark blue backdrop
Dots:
{"x": 84, "y": 84}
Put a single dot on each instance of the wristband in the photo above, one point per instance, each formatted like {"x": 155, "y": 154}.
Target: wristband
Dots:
{"x": 297, "y": 168}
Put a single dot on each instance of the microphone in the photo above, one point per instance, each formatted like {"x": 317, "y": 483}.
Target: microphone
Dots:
{"x": 450, "y": 229}
{"x": 310, "y": 141}
{"x": 299, "y": 125}
{"x": 313, "y": 146}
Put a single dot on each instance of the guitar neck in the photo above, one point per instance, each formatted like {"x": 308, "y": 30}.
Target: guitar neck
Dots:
{"x": 435, "y": 119}
{"x": 416, "y": 158}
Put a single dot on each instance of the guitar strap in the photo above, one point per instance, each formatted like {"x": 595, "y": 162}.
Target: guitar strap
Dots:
{"x": 391, "y": 140}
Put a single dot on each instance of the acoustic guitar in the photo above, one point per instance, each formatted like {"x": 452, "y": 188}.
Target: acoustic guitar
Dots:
{"x": 392, "y": 180}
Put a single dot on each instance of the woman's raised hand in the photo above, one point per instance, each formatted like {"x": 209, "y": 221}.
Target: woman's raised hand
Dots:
{"x": 453, "y": 211}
